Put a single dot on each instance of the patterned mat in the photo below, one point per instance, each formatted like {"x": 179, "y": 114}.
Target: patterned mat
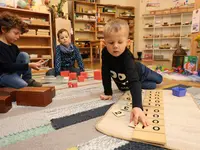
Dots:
{"x": 34, "y": 127}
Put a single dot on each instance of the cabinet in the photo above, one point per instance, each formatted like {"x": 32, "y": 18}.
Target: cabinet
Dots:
{"x": 38, "y": 41}
{"x": 163, "y": 33}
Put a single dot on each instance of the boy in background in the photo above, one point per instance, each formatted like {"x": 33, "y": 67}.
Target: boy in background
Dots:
{"x": 118, "y": 63}
{"x": 66, "y": 55}
{"x": 15, "y": 66}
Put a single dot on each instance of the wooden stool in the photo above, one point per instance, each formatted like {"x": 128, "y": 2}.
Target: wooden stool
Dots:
{"x": 5, "y": 103}
{"x": 34, "y": 96}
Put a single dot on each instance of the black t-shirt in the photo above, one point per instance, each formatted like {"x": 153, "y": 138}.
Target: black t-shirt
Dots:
{"x": 8, "y": 55}
{"x": 125, "y": 72}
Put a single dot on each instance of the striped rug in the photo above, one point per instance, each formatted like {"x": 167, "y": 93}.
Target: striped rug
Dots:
{"x": 69, "y": 121}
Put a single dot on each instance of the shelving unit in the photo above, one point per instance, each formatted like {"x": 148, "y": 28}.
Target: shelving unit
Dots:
{"x": 39, "y": 38}
{"x": 89, "y": 18}
{"x": 162, "y": 34}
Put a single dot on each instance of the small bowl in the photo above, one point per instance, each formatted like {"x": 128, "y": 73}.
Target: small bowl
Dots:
{"x": 179, "y": 91}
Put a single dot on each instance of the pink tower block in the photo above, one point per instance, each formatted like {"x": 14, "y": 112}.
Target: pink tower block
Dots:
{"x": 81, "y": 78}
{"x": 85, "y": 74}
{"x": 72, "y": 76}
{"x": 97, "y": 75}
{"x": 64, "y": 73}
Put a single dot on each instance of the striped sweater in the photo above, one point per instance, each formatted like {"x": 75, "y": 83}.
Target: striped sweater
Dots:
{"x": 65, "y": 60}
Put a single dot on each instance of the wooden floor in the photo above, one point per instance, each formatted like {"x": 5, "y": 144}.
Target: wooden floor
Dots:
{"x": 166, "y": 82}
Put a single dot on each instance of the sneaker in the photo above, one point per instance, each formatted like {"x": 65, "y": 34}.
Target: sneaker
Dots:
{"x": 34, "y": 83}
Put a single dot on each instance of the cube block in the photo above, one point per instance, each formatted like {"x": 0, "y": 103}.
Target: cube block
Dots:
{"x": 5, "y": 103}
{"x": 85, "y": 74}
{"x": 64, "y": 73}
{"x": 97, "y": 75}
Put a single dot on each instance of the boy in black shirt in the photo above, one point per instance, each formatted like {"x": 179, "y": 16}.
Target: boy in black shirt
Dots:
{"x": 118, "y": 63}
{"x": 13, "y": 63}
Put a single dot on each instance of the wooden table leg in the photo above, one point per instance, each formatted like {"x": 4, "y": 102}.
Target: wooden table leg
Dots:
{"x": 91, "y": 54}
{"x": 100, "y": 47}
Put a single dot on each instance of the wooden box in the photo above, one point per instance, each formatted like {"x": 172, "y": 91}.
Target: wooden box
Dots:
{"x": 9, "y": 91}
{"x": 34, "y": 96}
{"x": 5, "y": 103}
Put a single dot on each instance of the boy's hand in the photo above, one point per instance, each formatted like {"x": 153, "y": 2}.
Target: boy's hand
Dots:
{"x": 138, "y": 115}
{"x": 105, "y": 97}
{"x": 36, "y": 65}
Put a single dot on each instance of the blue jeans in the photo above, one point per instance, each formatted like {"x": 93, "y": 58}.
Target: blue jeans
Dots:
{"x": 149, "y": 78}
{"x": 17, "y": 80}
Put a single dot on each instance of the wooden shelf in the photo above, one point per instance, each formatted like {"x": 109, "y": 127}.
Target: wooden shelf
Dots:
{"x": 39, "y": 25}
{"x": 126, "y": 17}
{"x": 106, "y": 13}
{"x": 32, "y": 43}
{"x": 82, "y": 13}
{"x": 22, "y": 10}
{"x": 178, "y": 26}
{"x": 77, "y": 20}
{"x": 86, "y": 31}
{"x": 85, "y": 3}
{"x": 162, "y": 59}
{"x": 101, "y": 23}
{"x": 34, "y": 47}
{"x": 36, "y": 36}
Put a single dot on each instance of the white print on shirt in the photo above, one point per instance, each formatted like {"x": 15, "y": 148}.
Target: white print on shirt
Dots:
{"x": 120, "y": 78}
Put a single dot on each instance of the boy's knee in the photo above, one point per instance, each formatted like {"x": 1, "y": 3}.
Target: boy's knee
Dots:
{"x": 160, "y": 79}
{"x": 21, "y": 85}
{"x": 24, "y": 57}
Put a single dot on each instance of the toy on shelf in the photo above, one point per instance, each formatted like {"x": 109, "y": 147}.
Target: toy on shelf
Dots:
{"x": 179, "y": 91}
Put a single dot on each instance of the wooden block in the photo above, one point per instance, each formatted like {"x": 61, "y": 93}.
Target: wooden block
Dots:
{"x": 85, "y": 74}
{"x": 74, "y": 85}
{"x": 81, "y": 78}
{"x": 5, "y": 103}
{"x": 160, "y": 101}
{"x": 70, "y": 84}
{"x": 155, "y": 122}
{"x": 64, "y": 73}
{"x": 34, "y": 96}
{"x": 53, "y": 90}
{"x": 72, "y": 76}
{"x": 151, "y": 137}
{"x": 150, "y": 104}
{"x": 155, "y": 115}
{"x": 97, "y": 75}
{"x": 9, "y": 91}
{"x": 150, "y": 128}
{"x": 153, "y": 110}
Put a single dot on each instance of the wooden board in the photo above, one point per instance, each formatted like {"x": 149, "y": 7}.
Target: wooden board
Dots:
{"x": 119, "y": 126}
{"x": 181, "y": 119}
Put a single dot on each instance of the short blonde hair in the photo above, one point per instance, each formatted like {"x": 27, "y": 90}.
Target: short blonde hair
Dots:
{"x": 115, "y": 25}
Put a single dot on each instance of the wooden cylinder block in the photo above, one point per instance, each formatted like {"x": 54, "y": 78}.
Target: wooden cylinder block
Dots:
{"x": 34, "y": 96}
{"x": 5, "y": 103}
